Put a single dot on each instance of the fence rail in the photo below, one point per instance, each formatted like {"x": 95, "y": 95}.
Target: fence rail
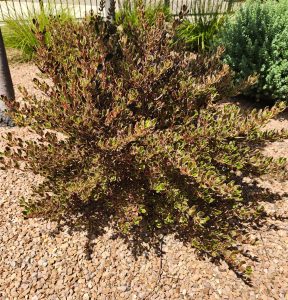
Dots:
{"x": 80, "y": 8}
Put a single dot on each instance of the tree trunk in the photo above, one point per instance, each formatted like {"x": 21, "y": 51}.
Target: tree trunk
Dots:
{"x": 6, "y": 86}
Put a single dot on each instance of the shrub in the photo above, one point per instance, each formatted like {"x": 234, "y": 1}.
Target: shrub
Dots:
{"x": 18, "y": 30}
{"x": 129, "y": 131}
{"x": 256, "y": 41}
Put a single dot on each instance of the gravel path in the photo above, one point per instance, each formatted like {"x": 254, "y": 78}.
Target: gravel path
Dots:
{"x": 36, "y": 263}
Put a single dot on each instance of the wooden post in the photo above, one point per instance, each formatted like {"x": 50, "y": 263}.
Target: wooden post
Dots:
{"x": 42, "y": 5}
{"x": 109, "y": 10}
{"x": 230, "y": 6}
{"x": 6, "y": 86}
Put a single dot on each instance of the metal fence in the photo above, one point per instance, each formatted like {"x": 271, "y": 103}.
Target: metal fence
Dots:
{"x": 80, "y": 8}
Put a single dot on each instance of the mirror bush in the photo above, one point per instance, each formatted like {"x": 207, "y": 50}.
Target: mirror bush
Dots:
{"x": 129, "y": 131}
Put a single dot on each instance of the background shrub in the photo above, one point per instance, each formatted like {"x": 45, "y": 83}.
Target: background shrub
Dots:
{"x": 256, "y": 44}
{"x": 141, "y": 143}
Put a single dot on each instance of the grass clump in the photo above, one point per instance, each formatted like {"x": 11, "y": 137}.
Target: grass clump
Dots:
{"x": 198, "y": 37}
{"x": 128, "y": 15}
{"x": 201, "y": 24}
{"x": 19, "y": 30}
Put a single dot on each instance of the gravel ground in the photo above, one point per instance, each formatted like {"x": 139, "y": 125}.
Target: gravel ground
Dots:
{"x": 35, "y": 263}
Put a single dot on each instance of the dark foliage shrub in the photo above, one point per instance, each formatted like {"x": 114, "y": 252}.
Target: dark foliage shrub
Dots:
{"x": 256, "y": 43}
{"x": 141, "y": 141}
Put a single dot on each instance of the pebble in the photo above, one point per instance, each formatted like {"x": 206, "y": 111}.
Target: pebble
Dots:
{"x": 86, "y": 297}
{"x": 124, "y": 288}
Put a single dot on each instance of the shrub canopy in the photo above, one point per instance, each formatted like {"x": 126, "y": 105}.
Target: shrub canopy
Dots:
{"x": 142, "y": 139}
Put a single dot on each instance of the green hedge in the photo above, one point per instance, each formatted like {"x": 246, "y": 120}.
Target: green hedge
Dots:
{"x": 256, "y": 43}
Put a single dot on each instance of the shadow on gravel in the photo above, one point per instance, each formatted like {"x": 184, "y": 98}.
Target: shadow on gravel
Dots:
{"x": 94, "y": 219}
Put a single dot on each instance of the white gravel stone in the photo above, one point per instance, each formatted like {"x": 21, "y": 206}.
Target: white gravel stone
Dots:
{"x": 86, "y": 297}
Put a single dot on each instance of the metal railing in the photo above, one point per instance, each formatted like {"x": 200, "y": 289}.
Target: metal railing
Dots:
{"x": 80, "y": 8}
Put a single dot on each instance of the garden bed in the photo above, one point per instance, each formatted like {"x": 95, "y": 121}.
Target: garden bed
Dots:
{"x": 38, "y": 262}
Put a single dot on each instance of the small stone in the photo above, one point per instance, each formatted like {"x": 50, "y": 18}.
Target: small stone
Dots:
{"x": 105, "y": 254}
{"x": 69, "y": 271}
{"x": 86, "y": 296}
{"x": 14, "y": 293}
{"x": 81, "y": 281}
{"x": 13, "y": 264}
{"x": 25, "y": 292}
{"x": 222, "y": 268}
{"x": 206, "y": 290}
{"x": 122, "y": 288}
{"x": 43, "y": 262}
{"x": 13, "y": 276}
